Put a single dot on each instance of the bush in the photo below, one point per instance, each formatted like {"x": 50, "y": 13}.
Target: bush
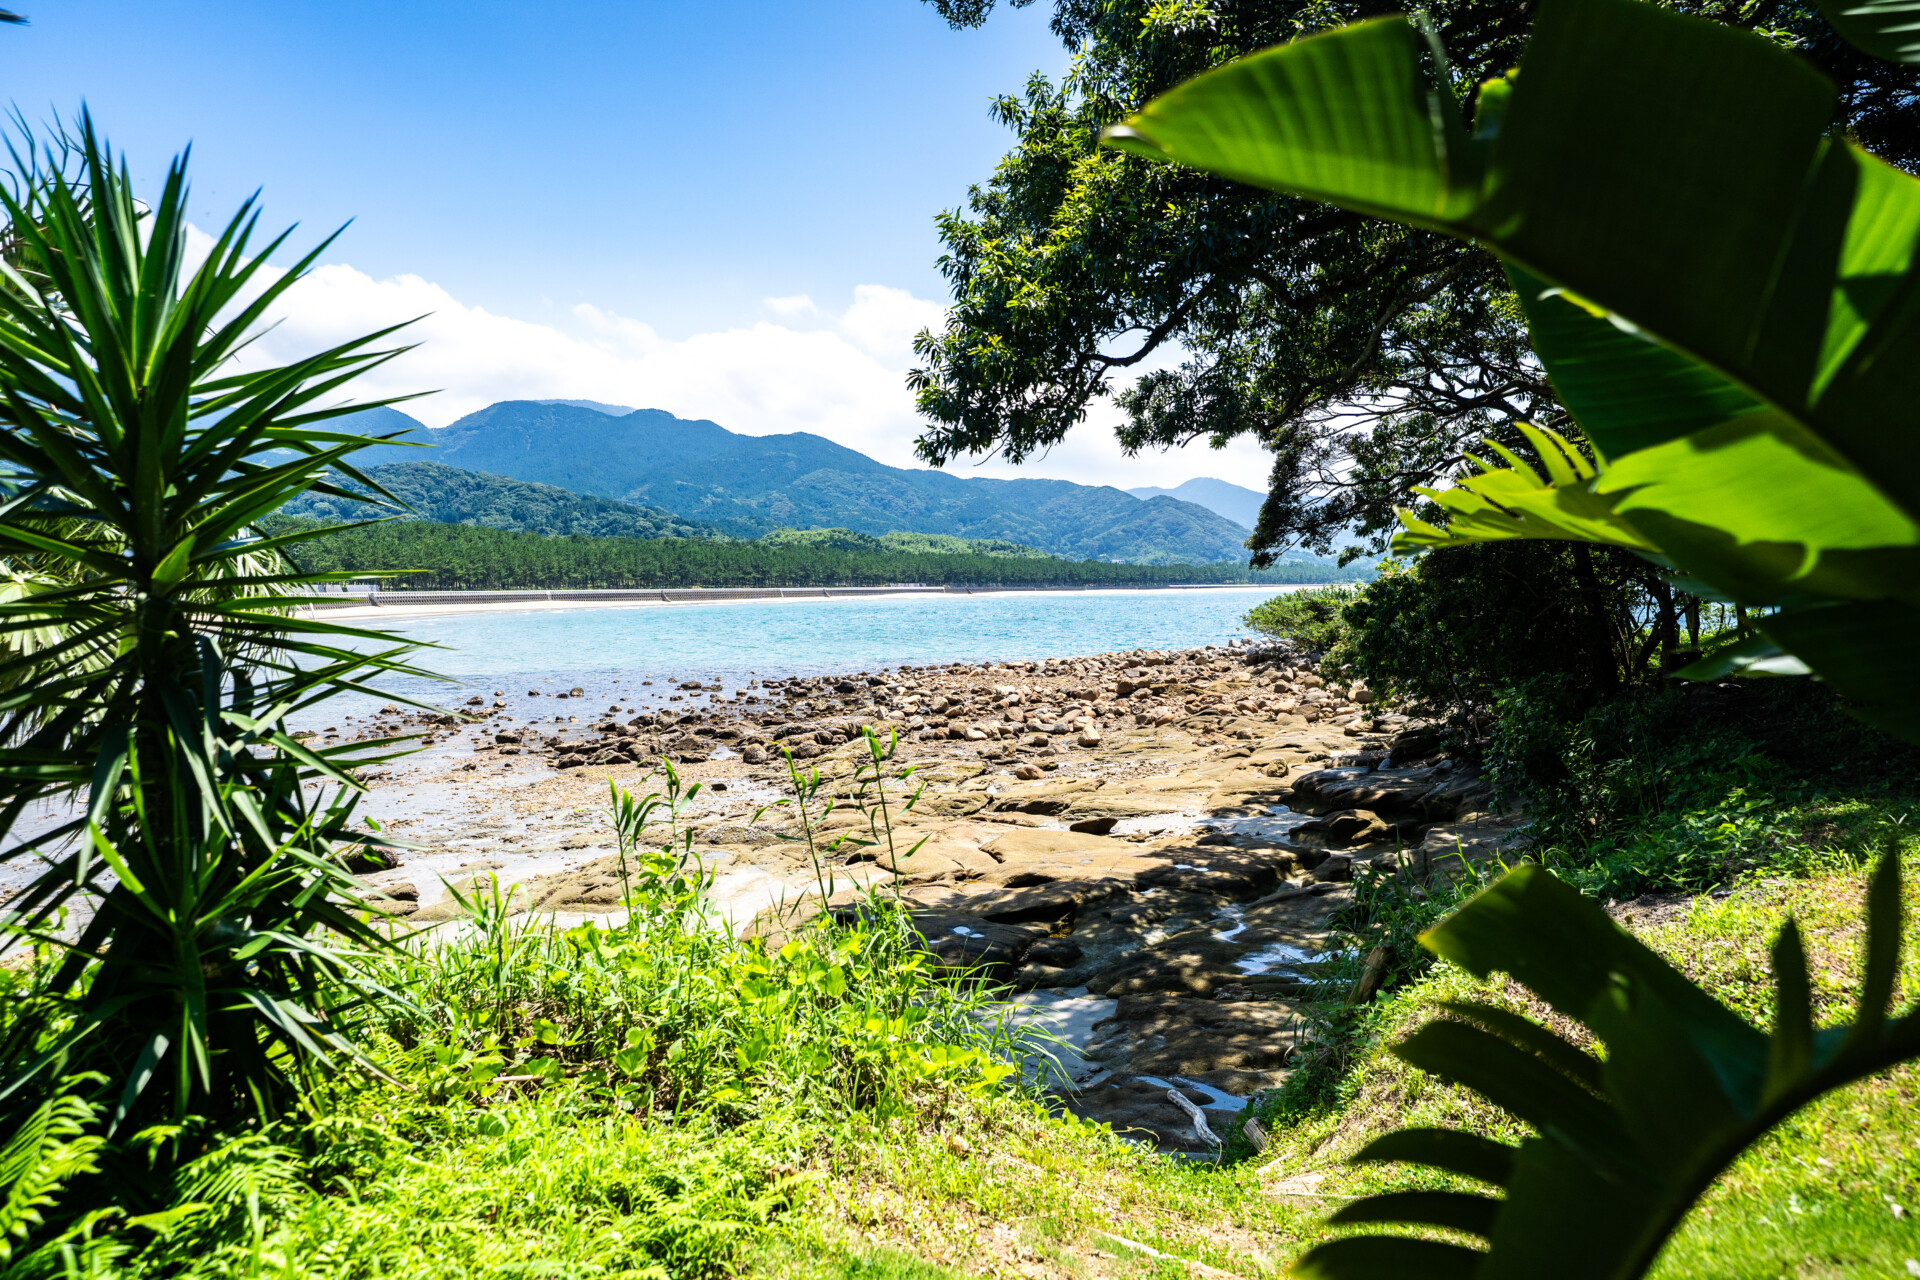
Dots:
{"x": 1681, "y": 789}
{"x": 1314, "y": 619}
{"x": 1453, "y": 628}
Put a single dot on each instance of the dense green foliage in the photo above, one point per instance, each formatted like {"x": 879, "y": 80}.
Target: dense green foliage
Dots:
{"x": 1750, "y": 428}
{"x": 462, "y": 557}
{"x": 449, "y": 495}
{"x": 751, "y": 485}
{"x": 907, "y": 543}
{"x": 1684, "y": 789}
{"x": 670, "y": 1060}
{"x": 1366, "y": 356}
{"x": 1450, "y": 630}
{"x": 148, "y": 661}
{"x": 1313, "y": 620}
{"x": 1751, "y": 424}
{"x": 1813, "y": 1195}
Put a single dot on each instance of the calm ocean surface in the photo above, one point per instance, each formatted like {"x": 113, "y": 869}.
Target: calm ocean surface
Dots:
{"x": 541, "y": 648}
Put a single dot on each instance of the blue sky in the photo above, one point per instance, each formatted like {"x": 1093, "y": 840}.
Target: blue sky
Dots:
{"x": 638, "y": 202}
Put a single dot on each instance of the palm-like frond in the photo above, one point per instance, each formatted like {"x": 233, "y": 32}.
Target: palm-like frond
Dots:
{"x": 1624, "y": 1145}
{"x": 1516, "y": 501}
{"x": 150, "y": 650}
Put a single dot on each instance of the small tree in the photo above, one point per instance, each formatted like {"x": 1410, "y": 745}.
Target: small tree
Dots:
{"x": 152, "y": 647}
{"x": 1720, "y": 285}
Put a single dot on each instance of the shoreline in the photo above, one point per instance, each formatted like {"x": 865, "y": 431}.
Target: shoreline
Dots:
{"x": 1155, "y": 841}
{"x": 439, "y": 603}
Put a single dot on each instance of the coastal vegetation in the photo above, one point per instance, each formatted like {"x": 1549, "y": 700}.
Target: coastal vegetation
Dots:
{"x": 215, "y": 965}
{"x": 1673, "y": 408}
{"x": 467, "y": 557}
{"x": 909, "y": 543}
{"x": 1368, "y": 354}
{"x": 1670, "y": 1037}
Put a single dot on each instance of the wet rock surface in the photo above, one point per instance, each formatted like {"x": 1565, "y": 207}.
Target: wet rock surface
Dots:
{"x": 1157, "y": 842}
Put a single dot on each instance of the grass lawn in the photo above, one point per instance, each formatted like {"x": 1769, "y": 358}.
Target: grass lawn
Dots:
{"x": 955, "y": 1179}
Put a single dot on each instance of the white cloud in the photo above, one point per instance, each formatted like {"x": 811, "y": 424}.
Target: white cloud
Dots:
{"x": 845, "y": 382}
{"x": 798, "y": 304}
{"x": 883, "y": 321}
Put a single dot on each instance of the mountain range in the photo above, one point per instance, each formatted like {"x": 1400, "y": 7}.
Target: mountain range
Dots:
{"x": 449, "y": 495}
{"x": 1236, "y": 502}
{"x": 748, "y": 486}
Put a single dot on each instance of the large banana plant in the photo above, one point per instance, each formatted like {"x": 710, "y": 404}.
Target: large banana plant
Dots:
{"x": 1623, "y": 1144}
{"x": 1723, "y": 290}
{"x": 151, "y": 650}
{"x": 1719, "y": 283}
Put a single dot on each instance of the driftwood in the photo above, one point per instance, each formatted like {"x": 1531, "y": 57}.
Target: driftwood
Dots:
{"x": 1200, "y": 1127}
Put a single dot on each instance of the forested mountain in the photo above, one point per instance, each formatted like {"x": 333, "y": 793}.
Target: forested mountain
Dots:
{"x": 941, "y": 544}
{"x": 1231, "y": 501}
{"x": 751, "y": 485}
{"x": 464, "y": 557}
{"x": 450, "y": 495}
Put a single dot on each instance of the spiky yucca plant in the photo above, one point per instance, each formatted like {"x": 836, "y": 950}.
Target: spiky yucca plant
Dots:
{"x": 151, "y": 651}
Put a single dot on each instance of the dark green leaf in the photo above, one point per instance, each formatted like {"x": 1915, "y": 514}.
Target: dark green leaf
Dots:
{"x": 1452, "y": 1209}
{"x": 1456, "y": 1151}
{"x": 1388, "y": 1258}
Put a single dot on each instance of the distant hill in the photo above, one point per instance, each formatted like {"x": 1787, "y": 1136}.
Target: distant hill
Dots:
{"x": 449, "y": 495}
{"x": 598, "y": 406}
{"x": 748, "y": 486}
{"x": 1235, "y": 502}
{"x": 907, "y": 543}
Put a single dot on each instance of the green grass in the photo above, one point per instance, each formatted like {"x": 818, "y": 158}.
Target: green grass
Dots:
{"x": 540, "y": 1121}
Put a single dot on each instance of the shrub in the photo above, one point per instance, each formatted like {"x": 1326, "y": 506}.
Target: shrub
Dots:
{"x": 1453, "y": 628}
{"x": 1314, "y": 619}
{"x": 149, "y": 657}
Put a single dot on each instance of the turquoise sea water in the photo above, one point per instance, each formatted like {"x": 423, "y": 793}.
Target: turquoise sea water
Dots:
{"x": 548, "y": 648}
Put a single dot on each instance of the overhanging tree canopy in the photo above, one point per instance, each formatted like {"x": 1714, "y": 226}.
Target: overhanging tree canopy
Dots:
{"x": 1367, "y": 357}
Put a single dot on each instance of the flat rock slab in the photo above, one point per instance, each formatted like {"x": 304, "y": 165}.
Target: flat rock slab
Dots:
{"x": 1477, "y": 841}
{"x": 935, "y": 857}
{"x": 963, "y": 941}
{"x": 1220, "y": 870}
{"x": 1170, "y": 1035}
{"x": 1437, "y": 791}
{"x": 1109, "y": 804}
{"x": 1056, "y": 902}
{"x": 1028, "y": 844}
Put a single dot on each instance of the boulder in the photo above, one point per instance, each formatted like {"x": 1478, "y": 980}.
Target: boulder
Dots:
{"x": 1437, "y": 791}
{"x": 1226, "y": 873}
{"x": 1475, "y": 842}
{"x": 1346, "y": 827}
{"x": 1055, "y": 903}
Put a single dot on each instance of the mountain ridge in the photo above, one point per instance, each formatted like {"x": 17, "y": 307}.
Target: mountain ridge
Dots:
{"x": 748, "y": 486}
{"x": 1230, "y": 501}
{"x": 449, "y": 495}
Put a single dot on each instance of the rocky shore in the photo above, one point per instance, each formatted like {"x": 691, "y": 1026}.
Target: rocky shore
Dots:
{"x": 1151, "y": 846}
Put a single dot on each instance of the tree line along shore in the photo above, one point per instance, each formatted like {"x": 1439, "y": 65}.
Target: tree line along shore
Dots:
{"x": 450, "y": 557}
